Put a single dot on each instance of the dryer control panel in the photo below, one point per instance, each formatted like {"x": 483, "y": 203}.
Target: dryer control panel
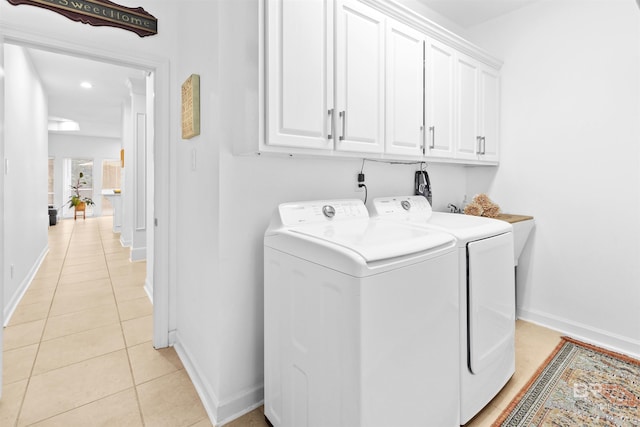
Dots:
{"x": 298, "y": 213}
{"x": 414, "y": 208}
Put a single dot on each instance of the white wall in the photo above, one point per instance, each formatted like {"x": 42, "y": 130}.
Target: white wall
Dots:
{"x": 25, "y": 192}
{"x": 63, "y": 146}
{"x": 570, "y": 157}
{"x": 199, "y": 323}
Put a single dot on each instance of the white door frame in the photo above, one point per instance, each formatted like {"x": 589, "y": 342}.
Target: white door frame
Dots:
{"x": 2, "y": 192}
{"x": 161, "y": 182}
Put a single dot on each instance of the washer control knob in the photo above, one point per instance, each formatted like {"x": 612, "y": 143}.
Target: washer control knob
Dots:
{"x": 328, "y": 211}
{"x": 406, "y": 204}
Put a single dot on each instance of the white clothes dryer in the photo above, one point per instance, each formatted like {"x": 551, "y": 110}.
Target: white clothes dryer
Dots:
{"x": 360, "y": 320}
{"x": 487, "y": 295}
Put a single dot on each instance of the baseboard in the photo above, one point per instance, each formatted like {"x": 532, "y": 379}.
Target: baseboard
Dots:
{"x": 239, "y": 404}
{"x": 244, "y": 401}
{"x": 148, "y": 288}
{"x": 207, "y": 396}
{"x": 10, "y": 308}
{"x": 219, "y": 412}
{"x": 125, "y": 242}
{"x": 582, "y": 332}
{"x": 138, "y": 254}
{"x": 172, "y": 338}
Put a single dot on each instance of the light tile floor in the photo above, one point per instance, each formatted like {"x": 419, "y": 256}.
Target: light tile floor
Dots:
{"x": 77, "y": 351}
{"x": 533, "y": 345}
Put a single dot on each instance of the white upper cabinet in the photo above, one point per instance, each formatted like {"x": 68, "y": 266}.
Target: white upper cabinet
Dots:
{"x": 404, "y": 94}
{"x": 360, "y": 71}
{"x": 367, "y": 78}
{"x": 478, "y": 108}
{"x": 300, "y": 73}
{"x": 490, "y": 110}
{"x": 467, "y": 102}
{"x": 439, "y": 99}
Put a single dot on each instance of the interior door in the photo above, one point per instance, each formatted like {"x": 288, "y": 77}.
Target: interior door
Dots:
{"x": 491, "y": 300}
{"x": 359, "y": 78}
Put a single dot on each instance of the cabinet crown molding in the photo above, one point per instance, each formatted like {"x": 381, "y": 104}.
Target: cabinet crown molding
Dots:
{"x": 431, "y": 29}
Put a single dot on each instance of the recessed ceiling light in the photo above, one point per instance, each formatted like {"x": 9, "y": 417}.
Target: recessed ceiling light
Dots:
{"x": 64, "y": 125}
{"x": 86, "y": 85}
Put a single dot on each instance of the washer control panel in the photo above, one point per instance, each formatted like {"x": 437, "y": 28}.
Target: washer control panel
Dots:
{"x": 321, "y": 211}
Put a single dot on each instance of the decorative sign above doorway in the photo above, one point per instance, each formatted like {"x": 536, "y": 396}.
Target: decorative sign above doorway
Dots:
{"x": 100, "y": 12}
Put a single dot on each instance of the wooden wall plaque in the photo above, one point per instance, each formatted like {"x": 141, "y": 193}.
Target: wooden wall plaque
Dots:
{"x": 100, "y": 13}
{"x": 191, "y": 107}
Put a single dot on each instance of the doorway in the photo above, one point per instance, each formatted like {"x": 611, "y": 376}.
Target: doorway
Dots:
{"x": 157, "y": 202}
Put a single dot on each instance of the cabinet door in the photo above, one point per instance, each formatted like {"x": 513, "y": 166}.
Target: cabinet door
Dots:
{"x": 467, "y": 135}
{"x": 439, "y": 87}
{"x": 404, "y": 94}
{"x": 359, "y": 78}
{"x": 490, "y": 114}
{"x": 300, "y": 73}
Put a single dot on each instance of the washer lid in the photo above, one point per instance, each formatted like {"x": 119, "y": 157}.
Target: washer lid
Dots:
{"x": 376, "y": 240}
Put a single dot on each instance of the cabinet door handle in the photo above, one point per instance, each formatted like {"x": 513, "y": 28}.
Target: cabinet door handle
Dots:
{"x": 343, "y": 117}
{"x": 484, "y": 145}
{"x": 330, "y": 134}
{"x": 478, "y": 145}
{"x": 432, "y": 130}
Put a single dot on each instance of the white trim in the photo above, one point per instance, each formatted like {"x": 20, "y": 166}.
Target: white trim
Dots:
{"x": 138, "y": 254}
{"x": 10, "y": 308}
{"x": 164, "y": 180}
{"x": 164, "y": 232}
{"x": 125, "y": 243}
{"x": 148, "y": 289}
{"x": 403, "y": 14}
{"x": 262, "y": 75}
{"x": 219, "y": 412}
{"x": 2, "y": 183}
{"x": 203, "y": 388}
{"x": 582, "y": 332}
{"x": 239, "y": 404}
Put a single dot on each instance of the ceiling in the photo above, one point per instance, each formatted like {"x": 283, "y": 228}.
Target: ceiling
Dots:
{"x": 98, "y": 110}
{"x": 467, "y": 13}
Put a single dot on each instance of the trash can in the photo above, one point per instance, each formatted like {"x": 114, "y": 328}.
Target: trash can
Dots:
{"x": 53, "y": 216}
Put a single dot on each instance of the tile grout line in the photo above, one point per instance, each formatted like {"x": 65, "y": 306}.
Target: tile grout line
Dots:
{"x": 126, "y": 346}
{"x": 44, "y": 327}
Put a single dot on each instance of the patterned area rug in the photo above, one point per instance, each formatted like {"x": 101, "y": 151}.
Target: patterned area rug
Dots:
{"x": 579, "y": 385}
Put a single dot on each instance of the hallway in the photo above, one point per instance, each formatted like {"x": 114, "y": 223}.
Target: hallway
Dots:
{"x": 78, "y": 350}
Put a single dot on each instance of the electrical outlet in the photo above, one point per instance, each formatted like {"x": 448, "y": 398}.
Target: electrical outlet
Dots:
{"x": 359, "y": 182}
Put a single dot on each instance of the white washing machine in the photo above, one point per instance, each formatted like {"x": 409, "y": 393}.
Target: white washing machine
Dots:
{"x": 360, "y": 320}
{"x": 487, "y": 295}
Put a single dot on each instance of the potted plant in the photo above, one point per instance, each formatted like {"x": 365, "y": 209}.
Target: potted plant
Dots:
{"x": 79, "y": 203}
